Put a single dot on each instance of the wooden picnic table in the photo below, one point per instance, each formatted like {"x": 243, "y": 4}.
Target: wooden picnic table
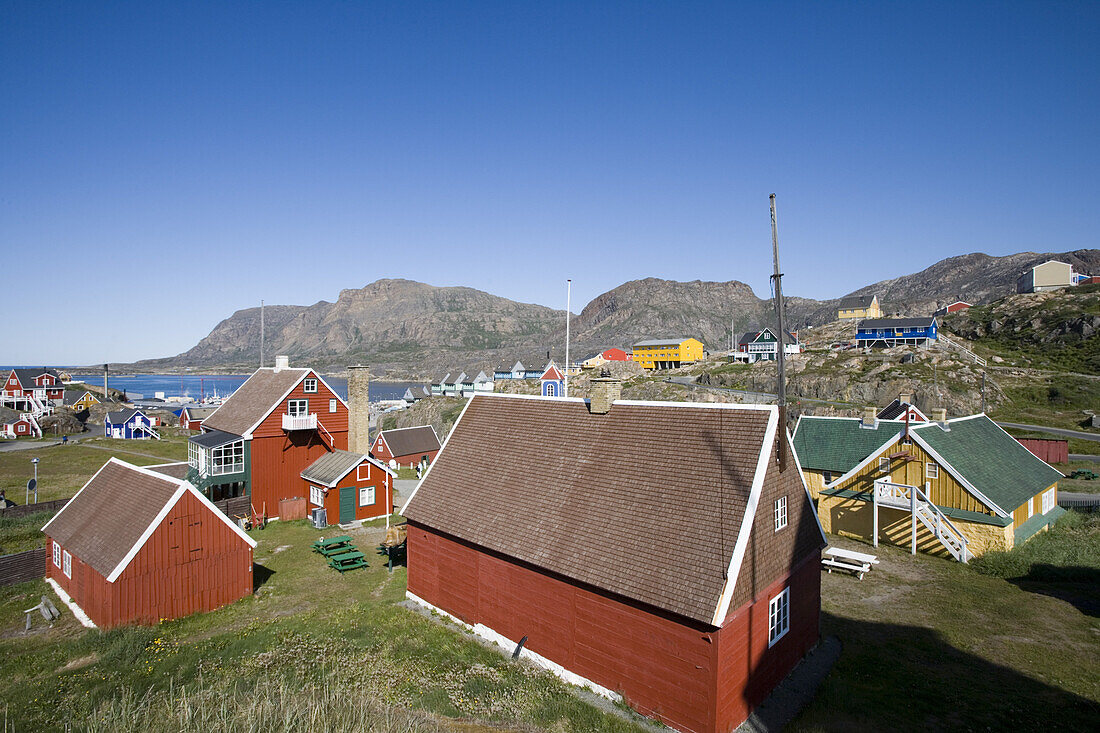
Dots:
{"x": 348, "y": 561}
{"x": 323, "y": 543}
{"x": 335, "y": 550}
{"x": 841, "y": 559}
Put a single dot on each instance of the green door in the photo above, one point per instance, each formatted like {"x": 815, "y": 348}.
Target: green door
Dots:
{"x": 347, "y": 504}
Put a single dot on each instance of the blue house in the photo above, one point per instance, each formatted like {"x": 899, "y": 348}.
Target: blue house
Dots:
{"x": 553, "y": 381}
{"x": 518, "y": 371}
{"x": 129, "y": 424}
{"x": 887, "y": 332}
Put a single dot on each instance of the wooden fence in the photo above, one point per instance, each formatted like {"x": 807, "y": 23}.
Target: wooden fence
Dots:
{"x": 22, "y": 566}
{"x": 236, "y": 507}
{"x": 24, "y": 509}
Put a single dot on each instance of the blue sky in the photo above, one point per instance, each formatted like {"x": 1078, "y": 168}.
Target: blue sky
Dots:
{"x": 164, "y": 165}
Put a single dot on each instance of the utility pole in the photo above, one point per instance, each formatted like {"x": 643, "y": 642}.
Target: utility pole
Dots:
{"x": 983, "y": 393}
{"x": 568, "y": 303}
{"x": 781, "y": 375}
{"x": 261, "y": 334}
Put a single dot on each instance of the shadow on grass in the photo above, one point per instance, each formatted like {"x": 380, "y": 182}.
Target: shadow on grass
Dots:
{"x": 1078, "y": 586}
{"x": 260, "y": 575}
{"x": 897, "y": 677}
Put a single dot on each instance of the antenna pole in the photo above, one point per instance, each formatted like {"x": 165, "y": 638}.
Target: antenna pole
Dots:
{"x": 781, "y": 375}
{"x": 261, "y": 334}
{"x": 568, "y": 303}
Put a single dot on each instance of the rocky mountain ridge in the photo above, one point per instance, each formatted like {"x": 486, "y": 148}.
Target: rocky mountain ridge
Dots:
{"x": 413, "y": 329}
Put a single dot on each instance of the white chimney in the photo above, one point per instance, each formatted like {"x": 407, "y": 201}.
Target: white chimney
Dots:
{"x": 870, "y": 419}
{"x": 282, "y": 362}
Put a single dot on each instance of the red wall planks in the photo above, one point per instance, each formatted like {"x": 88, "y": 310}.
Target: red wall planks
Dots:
{"x": 1050, "y": 450}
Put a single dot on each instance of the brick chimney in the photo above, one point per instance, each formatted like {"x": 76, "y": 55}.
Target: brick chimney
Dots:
{"x": 605, "y": 390}
{"x": 906, "y": 398}
{"x": 869, "y": 419}
{"x": 359, "y": 409}
{"x": 940, "y": 415}
{"x": 282, "y": 362}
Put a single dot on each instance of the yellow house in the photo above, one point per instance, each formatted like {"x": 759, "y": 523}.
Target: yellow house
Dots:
{"x": 668, "y": 353}
{"x": 958, "y": 487}
{"x": 859, "y": 306}
{"x": 80, "y": 402}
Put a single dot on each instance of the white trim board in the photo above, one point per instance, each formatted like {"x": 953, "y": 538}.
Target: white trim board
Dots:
{"x": 82, "y": 617}
{"x": 484, "y": 632}
{"x": 443, "y": 448}
{"x": 745, "y": 532}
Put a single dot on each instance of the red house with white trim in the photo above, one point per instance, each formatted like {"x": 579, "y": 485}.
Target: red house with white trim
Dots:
{"x": 406, "y": 447}
{"x": 690, "y": 605}
{"x": 349, "y": 486}
{"x": 191, "y": 417}
{"x": 137, "y": 546}
{"x": 958, "y": 305}
{"x": 24, "y": 387}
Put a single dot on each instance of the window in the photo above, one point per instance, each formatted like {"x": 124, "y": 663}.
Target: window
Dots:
{"x": 1031, "y": 507}
{"x": 297, "y": 408}
{"x": 366, "y": 496}
{"x": 193, "y": 453}
{"x": 67, "y": 564}
{"x": 20, "y": 428}
{"x": 827, "y": 476}
{"x": 780, "y": 513}
{"x": 56, "y": 555}
{"x": 316, "y": 496}
{"x": 884, "y": 464}
{"x": 309, "y": 385}
{"x": 227, "y": 459}
{"x": 931, "y": 470}
{"x": 332, "y": 405}
{"x": 1048, "y": 500}
{"x": 779, "y": 620}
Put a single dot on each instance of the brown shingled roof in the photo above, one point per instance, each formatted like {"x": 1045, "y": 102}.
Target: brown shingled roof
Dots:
{"x": 253, "y": 400}
{"x": 107, "y": 517}
{"x": 645, "y": 501}
{"x": 407, "y": 441}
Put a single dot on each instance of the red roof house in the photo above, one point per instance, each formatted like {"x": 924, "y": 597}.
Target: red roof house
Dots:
{"x": 614, "y": 354}
{"x": 688, "y": 586}
{"x": 191, "y": 417}
{"x": 406, "y": 446}
{"x": 137, "y": 546}
{"x": 958, "y": 305}
{"x": 349, "y": 486}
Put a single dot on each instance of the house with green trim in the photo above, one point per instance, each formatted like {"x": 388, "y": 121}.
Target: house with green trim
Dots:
{"x": 961, "y": 487}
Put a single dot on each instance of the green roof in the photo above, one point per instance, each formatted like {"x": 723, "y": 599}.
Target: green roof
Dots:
{"x": 838, "y": 444}
{"x": 1032, "y": 526}
{"x": 991, "y": 460}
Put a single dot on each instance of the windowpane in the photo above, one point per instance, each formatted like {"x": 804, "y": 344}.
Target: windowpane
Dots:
{"x": 295, "y": 408}
{"x": 332, "y": 405}
{"x": 778, "y": 616}
{"x": 780, "y": 513}
{"x": 309, "y": 385}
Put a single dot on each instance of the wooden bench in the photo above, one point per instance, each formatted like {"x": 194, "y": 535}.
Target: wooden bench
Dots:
{"x": 857, "y": 568}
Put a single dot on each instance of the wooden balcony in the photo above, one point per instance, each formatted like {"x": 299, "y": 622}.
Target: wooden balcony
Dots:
{"x": 300, "y": 422}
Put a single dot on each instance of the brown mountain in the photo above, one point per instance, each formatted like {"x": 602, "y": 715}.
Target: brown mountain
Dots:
{"x": 415, "y": 328}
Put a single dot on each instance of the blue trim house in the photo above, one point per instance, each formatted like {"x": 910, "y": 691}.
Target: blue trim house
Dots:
{"x": 887, "y": 332}
{"x": 131, "y": 424}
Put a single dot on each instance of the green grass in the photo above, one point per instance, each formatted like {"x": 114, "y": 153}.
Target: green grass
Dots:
{"x": 62, "y": 470}
{"x": 249, "y": 666}
{"x": 1070, "y": 550}
{"x": 22, "y": 533}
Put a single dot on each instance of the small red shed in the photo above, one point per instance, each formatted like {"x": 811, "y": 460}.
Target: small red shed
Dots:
{"x": 137, "y": 546}
{"x": 688, "y": 587}
{"x": 349, "y": 486}
{"x": 614, "y": 354}
{"x": 406, "y": 447}
{"x": 192, "y": 417}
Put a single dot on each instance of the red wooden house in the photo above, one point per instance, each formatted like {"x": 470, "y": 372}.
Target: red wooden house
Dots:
{"x": 958, "y": 305}
{"x": 403, "y": 447}
{"x": 614, "y": 354}
{"x": 137, "y": 546}
{"x": 22, "y": 427}
{"x": 270, "y": 430}
{"x": 192, "y": 417}
{"x": 349, "y": 486}
{"x": 688, "y": 584}
{"x": 24, "y": 387}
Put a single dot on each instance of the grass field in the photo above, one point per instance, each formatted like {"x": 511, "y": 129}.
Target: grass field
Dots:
{"x": 926, "y": 643}
{"x": 62, "y": 470}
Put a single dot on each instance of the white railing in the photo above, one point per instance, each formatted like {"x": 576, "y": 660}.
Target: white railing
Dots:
{"x": 300, "y": 422}
{"x": 331, "y": 440}
{"x": 965, "y": 351}
{"x": 903, "y": 496}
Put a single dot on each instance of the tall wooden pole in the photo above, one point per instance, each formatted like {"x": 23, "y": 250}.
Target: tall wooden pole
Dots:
{"x": 261, "y": 334}
{"x": 781, "y": 375}
{"x": 568, "y": 303}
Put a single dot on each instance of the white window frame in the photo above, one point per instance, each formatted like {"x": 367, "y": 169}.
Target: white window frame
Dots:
{"x": 368, "y": 493}
{"x": 56, "y": 554}
{"x": 309, "y": 385}
{"x": 779, "y": 616}
{"x": 316, "y": 496}
{"x": 332, "y": 405}
{"x": 228, "y": 458}
{"x": 1031, "y": 507}
{"x": 931, "y": 470}
{"x": 780, "y": 513}
{"x": 20, "y": 428}
{"x": 884, "y": 465}
{"x": 193, "y": 453}
{"x": 1048, "y": 500}
{"x": 297, "y": 408}
{"x": 67, "y": 564}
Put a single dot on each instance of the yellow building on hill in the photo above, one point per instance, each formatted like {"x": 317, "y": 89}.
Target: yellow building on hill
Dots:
{"x": 668, "y": 353}
{"x": 859, "y": 306}
{"x": 960, "y": 487}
